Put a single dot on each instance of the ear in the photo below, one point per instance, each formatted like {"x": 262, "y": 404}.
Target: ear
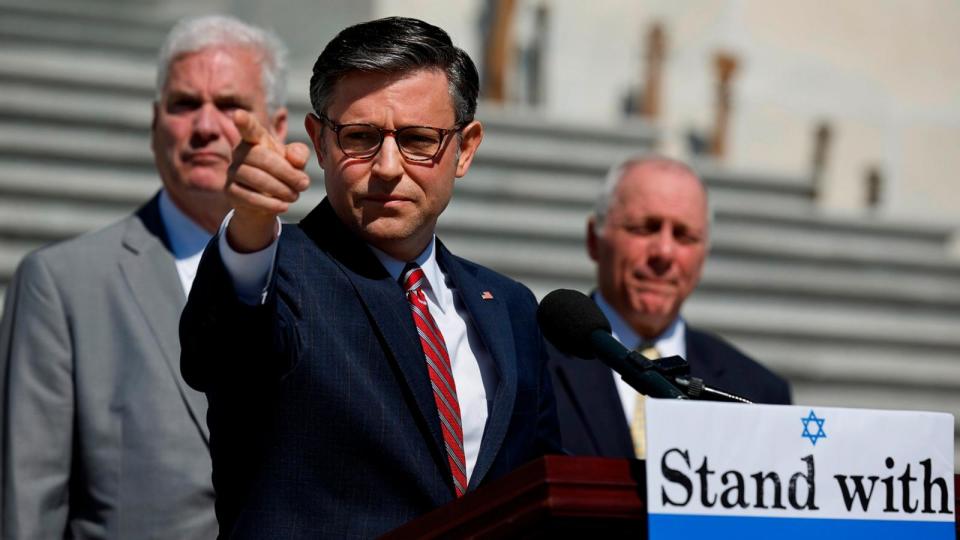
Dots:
{"x": 153, "y": 126}
{"x": 470, "y": 138}
{"x": 592, "y": 238}
{"x": 315, "y": 131}
{"x": 314, "y": 127}
{"x": 156, "y": 113}
{"x": 278, "y": 124}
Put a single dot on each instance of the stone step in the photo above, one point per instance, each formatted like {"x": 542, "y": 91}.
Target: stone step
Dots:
{"x": 535, "y": 177}
{"x": 77, "y": 146}
{"x": 815, "y": 317}
{"x": 124, "y": 141}
{"x": 28, "y": 106}
{"x": 805, "y": 234}
{"x": 42, "y": 104}
{"x": 917, "y": 288}
{"x": 122, "y": 13}
{"x": 76, "y": 73}
{"x": 88, "y": 144}
{"x": 568, "y": 190}
{"x": 129, "y": 155}
{"x": 573, "y": 193}
{"x": 49, "y": 221}
{"x": 797, "y": 324}
{"x": 68, "y": 34}
{"x": 756, "y": 211}
{"x": 104, "y": 27}
{"x": 509, "y": 230}
{"x": 11, "y": 251}
{"x": 842, "y": 361}
{"x": 863, "y": 375}
{"x": 69, "y": 79}
{"x": 733, "y": 306}
{"x": 109, "y": 186}
{"x": 520, "y": 150}
{"x": 737, "y": 267}
{"x": 932, "y": 288}
{"x": 737, "y": 282}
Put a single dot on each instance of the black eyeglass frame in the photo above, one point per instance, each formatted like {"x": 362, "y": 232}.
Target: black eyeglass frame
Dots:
{"x": 336, "y": 128}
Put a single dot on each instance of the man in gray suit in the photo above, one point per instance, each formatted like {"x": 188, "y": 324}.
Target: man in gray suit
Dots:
{"x": 100, "y": 436}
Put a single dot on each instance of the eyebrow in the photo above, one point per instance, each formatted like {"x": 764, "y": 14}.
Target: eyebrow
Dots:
{"x": 226, "y": 97}
{"x": 232, "y": 98}
{"x": 180, "y": 92}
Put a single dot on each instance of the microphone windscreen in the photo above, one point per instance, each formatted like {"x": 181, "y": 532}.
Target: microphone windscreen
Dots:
{"x": 567, "y": 319}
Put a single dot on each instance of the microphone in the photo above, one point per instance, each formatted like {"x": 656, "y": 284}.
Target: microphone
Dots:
{"x": 576, "y": 326}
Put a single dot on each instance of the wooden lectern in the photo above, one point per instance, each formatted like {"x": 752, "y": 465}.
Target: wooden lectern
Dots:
{"x": 552, "y": 497}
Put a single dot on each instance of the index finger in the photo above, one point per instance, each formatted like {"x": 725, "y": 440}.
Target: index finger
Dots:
{"x": 252, "y": 131}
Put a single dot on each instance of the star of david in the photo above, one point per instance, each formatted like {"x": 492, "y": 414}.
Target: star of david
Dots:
{"x": 820, "y": 434}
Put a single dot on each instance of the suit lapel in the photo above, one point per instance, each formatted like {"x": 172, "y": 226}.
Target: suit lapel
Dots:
{"x": 592, "y": 390}
{"x": 151, "y": 274}
{"x": 702, "y": 364}
{"x": 389, "y": 312}
{"x": 492, "y": 322}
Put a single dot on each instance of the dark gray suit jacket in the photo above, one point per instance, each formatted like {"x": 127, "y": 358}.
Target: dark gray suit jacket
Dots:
{"x": 101, "y": 437}
{"x": 592, "y": 422}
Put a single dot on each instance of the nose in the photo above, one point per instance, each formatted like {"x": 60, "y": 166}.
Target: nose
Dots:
{"x": 206, "y": 124}
{"x": 388, "y": 162}
{"x": 662, "y": 249}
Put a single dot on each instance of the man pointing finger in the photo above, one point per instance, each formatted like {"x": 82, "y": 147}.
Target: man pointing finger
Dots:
{"x": 358, "y": 373}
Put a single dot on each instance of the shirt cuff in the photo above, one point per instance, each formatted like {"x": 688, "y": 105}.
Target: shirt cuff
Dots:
{"x": 250, "y": 272}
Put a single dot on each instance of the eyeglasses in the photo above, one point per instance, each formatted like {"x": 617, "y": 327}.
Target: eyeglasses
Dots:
{"x": 416, "y": 143}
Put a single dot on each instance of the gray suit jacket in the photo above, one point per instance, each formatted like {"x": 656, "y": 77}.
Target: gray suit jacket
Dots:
{"x": 101, "y": 438}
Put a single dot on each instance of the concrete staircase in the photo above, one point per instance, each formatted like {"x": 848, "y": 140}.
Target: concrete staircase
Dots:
{"x": 856, "y": 311}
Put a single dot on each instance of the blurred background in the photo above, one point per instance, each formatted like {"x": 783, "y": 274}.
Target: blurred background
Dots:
{"x": 828, "y": 133}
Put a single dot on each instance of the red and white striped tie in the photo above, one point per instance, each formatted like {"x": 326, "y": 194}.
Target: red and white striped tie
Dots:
{"x": 441, "y": 374}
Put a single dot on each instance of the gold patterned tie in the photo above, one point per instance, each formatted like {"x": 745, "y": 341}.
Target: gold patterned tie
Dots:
{"x": 638, "y": 424}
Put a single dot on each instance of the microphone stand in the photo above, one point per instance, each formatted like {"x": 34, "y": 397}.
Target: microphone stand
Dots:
{"x": 676, "y": 370}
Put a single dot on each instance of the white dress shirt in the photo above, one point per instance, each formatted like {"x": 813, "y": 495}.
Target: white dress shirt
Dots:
{"x": 474, "y": 373}
{"x": 671, "y": 342}
{"x": 187, "y": 240}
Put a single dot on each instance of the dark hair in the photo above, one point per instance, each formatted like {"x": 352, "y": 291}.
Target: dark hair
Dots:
{"x": 395, "y": 45}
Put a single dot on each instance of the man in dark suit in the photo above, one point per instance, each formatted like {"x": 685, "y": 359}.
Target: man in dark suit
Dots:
{"x": 101, "y": 436}
{"x": 358, "y": 373}
{"x": 649, "y": 236}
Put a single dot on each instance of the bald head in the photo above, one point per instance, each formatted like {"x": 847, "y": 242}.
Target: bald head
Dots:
{"x": 654, "y": 162}
{"x": 649, "y": 240}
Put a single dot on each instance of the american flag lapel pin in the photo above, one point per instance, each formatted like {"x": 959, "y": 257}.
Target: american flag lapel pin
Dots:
{"x": 486, "y": 295}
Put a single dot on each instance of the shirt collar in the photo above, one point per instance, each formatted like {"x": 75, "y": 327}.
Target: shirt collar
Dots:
{"x": 427, "y": 260}
{"x": 187, "y": 239}
{"x": 671, "y": 342}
